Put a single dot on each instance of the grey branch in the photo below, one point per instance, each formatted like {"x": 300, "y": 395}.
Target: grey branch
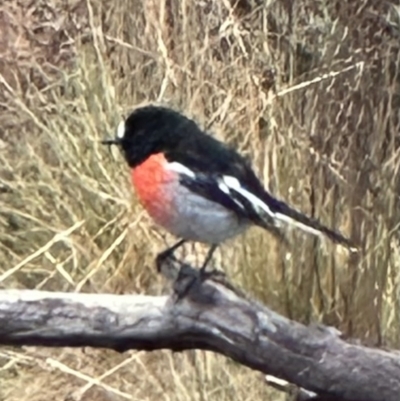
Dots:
{"x": 209, "y": 315}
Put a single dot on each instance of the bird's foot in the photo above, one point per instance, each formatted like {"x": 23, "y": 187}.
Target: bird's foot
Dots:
{"x": 189, "y": 278}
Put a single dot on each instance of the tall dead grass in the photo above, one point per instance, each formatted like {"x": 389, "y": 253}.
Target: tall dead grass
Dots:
{"x": 308, "y": 91}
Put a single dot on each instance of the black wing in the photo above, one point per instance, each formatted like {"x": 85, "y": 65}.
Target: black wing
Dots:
{"x": 210, "y": 163}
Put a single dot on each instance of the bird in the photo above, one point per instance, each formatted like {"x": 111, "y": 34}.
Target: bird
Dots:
{"x": 197, "y": 187}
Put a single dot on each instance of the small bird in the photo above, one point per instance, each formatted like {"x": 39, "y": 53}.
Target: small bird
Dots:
{"x": 197, "y": 187}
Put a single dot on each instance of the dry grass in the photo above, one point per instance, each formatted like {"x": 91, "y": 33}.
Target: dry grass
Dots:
{"x": 310, "y": 92}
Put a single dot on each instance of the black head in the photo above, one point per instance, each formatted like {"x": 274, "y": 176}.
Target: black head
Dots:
{"x": 150, "y": 130}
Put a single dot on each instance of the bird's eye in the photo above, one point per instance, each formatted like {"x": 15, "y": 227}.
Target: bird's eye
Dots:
{"x": 121, "y": 130}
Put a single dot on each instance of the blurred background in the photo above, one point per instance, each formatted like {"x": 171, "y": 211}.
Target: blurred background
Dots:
{"x": 309, "y": 90}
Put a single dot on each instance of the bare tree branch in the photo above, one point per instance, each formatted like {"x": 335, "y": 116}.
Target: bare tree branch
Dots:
{"x": 208, "y": 315}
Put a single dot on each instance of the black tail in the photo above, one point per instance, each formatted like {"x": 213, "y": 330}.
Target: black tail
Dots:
{"x": 284, "y": 213}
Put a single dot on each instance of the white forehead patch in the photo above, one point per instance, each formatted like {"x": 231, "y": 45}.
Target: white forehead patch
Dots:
{"x": 121, "y": 130}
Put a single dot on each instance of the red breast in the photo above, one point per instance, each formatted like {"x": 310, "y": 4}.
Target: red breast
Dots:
{"x": 152, "y": 180}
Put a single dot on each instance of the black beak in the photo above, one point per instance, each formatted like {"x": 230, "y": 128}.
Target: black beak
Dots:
{"x": 109, "y": 142}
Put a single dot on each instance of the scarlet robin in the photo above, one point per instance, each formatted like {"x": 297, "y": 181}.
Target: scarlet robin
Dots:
{"x": 198, "y": 188}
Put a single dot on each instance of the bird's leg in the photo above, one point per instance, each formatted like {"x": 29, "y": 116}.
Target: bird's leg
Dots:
{"x": 208, "y": 258}
{"x": 201, "y": 276}
{"x": 204, "y": 275}
{"x": 167, "y": 254}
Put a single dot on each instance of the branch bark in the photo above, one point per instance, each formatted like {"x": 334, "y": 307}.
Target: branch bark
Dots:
{"x": 210, "y": 315}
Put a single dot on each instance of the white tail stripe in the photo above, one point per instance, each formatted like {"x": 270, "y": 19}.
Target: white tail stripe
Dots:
{"x": 302, "y": 226}
{"x": 234, "y": 183}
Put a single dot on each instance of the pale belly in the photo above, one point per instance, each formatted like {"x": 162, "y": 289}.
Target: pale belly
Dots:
{"x": 195, "y": 218}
